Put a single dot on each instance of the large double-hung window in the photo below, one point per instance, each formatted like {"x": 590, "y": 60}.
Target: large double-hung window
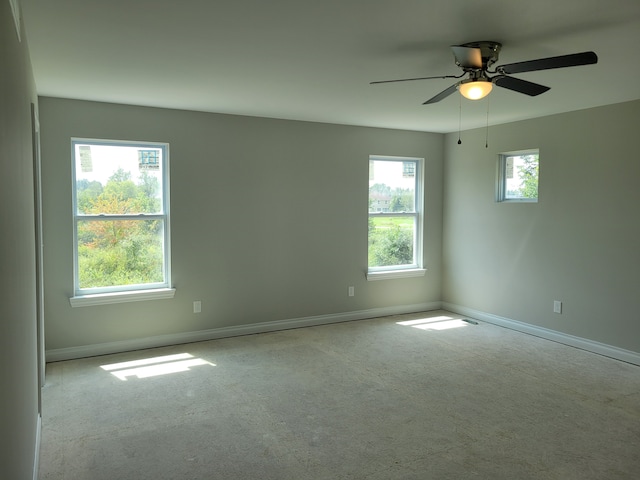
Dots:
{"x": 121, "y": 220}
{"x": 395, "y": 217}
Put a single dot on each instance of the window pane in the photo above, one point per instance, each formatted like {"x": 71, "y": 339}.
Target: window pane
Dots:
{"x": 392, "y": 186}
{"x": 391, "y": 240}
{"x": 521, "y": 176}
{"x": 120, "y": 252}
{"x": 118, "y": 179}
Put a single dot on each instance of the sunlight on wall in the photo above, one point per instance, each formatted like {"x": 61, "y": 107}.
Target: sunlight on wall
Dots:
{"x": 434, "y": 323}
{"x": 152, "y": 367}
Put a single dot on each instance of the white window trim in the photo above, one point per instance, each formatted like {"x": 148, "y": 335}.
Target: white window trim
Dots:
{"x": 124, "y": 293}
{"x": 416, "y": 269}
{"x": 501, "y": 180}
{"x": 393, "y": 274}
{"x": 122, "y": 297}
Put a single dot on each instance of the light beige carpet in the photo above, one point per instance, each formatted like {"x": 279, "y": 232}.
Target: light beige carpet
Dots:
{"x": 427, "y": 398}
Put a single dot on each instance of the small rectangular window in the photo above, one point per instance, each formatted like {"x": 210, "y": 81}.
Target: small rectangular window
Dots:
{"x": 121, "y": 216}
{"x": 518, "y": 176}
{"x": 395, "y": 213}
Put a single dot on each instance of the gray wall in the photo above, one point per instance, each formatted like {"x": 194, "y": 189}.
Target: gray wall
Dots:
{"x": 579, "y": 244}
{"x": 18, "y": 354}
{"x": 269, "y": 223}
{"x": 268, "y": 220}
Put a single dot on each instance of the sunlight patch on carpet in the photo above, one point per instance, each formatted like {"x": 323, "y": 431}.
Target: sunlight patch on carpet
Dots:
{"x": 155, "y": 366}
{"x": 434, "y": 323}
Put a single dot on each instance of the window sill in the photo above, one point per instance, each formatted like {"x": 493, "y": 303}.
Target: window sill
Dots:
{"x": 391, "y": 274}
{"x": 121, "y": 297}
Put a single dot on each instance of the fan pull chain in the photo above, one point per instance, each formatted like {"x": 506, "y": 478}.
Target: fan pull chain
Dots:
{"x": 486, "y": 140}
{"x": 460, "y": 120}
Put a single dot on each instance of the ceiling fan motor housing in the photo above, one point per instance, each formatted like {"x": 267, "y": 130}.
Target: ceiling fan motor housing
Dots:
{"x": 489, "y": 52}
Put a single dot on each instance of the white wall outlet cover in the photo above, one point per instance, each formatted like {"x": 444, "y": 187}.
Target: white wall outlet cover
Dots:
{"x": 557, "y": 306}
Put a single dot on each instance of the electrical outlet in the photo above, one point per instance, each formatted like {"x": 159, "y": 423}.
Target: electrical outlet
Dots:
{"x": 197, "y": 306}
{"x": 557, "y": 306}
{"x": 352, "y": 292}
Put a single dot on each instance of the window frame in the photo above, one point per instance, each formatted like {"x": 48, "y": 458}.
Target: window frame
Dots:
{"x": 123, "y": 293}
{"x": 501, "y": 180}
{"x": 416, "y": 267}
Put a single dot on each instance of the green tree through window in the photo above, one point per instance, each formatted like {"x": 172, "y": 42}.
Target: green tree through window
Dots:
{"x": 528, "y": 174}
{"x": 518, "y": 176}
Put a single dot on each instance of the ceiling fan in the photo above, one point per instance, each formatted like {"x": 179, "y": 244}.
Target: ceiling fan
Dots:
{"x": 476, "y": 58}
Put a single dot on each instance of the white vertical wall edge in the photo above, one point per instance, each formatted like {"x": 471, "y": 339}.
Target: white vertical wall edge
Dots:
{"x": 224, "y": 332}
{"x": 553, "y": 335}
{"x": 36, "y": 457}
{"x": 17, "y": 16}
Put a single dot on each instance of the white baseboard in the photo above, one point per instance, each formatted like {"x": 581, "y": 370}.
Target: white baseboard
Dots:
{"x": 83, "y": 351}
{"x": 36, "y": 458}
{"x": 553, "y": 335}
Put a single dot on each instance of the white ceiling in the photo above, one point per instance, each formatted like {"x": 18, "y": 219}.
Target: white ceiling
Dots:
{"x": 313, "y": 59}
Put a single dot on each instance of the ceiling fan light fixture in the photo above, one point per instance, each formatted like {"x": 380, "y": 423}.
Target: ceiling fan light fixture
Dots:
{"x": 475, "y": 89}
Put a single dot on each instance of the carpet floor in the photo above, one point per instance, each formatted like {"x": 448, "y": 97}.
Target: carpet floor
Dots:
{"x": 420, "y": 396}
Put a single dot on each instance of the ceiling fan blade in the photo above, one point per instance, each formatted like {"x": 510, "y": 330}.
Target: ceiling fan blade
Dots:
{"x": 520, "y": 86}
{"x": 573, "y": 60}
{"x": 443, "y": 94}
{"x": 412, "y": 79}
{"x": 467, "y": 57}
